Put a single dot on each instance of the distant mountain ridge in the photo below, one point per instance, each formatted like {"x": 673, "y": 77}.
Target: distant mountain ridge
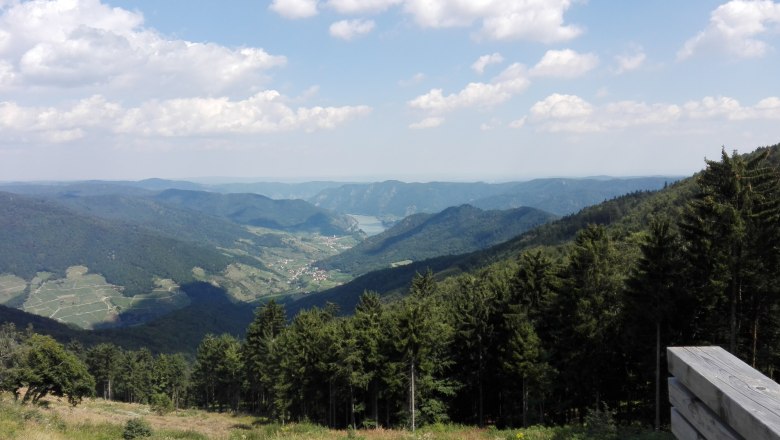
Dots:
{"x": 556, "y": 195}
{"x": 455, "y": 230}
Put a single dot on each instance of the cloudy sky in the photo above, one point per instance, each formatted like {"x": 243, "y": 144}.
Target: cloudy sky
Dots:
{"x": 419, "y": 90}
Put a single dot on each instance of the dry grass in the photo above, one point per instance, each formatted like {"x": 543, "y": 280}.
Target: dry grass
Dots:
{"x": 97, "y": 419}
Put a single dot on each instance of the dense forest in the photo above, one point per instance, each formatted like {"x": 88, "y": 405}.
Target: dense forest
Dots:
{"x": 540, "y": 338}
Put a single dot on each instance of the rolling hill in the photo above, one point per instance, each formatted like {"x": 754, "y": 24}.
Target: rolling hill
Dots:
{"x": 455, "y": 230}
{"x": 261, "y": 211}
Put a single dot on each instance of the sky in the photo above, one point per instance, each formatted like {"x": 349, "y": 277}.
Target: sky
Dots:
{"x": 365, "y": 90}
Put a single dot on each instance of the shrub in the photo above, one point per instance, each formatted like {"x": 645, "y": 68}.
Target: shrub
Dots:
{"x": 161, "y": 404}
{"x": 601, "y": 424}
{"x": 137, "y": 428}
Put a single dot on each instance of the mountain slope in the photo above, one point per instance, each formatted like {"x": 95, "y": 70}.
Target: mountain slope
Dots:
{"x": 567, "y": 196}
{"x": 37, "y": 235}
{"x": 453, "y": 231}
{"x": 623, "y": 216}
{"x": 257, "y": 210}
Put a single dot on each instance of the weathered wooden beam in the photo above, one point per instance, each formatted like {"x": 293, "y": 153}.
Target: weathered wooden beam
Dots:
{"x": 743, "y": 398}
{"x": 696, "y": 413}
{"x": 683, "y": 430}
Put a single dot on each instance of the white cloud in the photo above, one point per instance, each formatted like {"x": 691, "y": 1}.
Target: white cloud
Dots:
{"x": 710, "y": 107}
{"x": 629, "y": 62}
{"x": 362, "y": 6}
{"x": 735, "y": 27}
{"x": 429, "y": 122}
{"x": 486, "y": 60}
{"x": 564, "y": 64}
{"x": 294, "y": 9}
{"x": 510, "y": 82}
{"x": 349, "y": 29}
{"x": 500, "y": 19}
{"x": 567, "y": 113}
{"x": 417, "y": 78}
{"x": 518, "y": 123}
{"x": 496, "y": 19}
{"x": 64, "y": 44}
{"x": 265, "y": 112}
{"x": 570, "y": 113}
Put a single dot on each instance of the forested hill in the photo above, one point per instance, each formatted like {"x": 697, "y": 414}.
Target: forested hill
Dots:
{"x": 257, "y": 210}
{"x": 455, "y": 230}
{"x": 40, "y": 236}
{"x": 623, "y": 216}
{"x": 558, "y": 196}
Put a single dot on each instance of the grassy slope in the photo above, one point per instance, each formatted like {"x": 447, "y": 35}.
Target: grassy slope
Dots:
{"x": 96, "y": 419}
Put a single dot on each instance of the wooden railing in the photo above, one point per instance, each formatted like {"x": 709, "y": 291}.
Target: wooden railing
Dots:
{"x": 716, "y": 396}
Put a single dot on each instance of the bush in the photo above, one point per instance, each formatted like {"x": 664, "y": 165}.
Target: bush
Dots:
{"x": 601, "y": 424}
{"x": 161, "y": 404}
{"x": 137, "y": 428}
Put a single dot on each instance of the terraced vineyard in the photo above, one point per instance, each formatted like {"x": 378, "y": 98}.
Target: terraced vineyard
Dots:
{"x": 88, "y": 301}
{"x": 11, "y": 288}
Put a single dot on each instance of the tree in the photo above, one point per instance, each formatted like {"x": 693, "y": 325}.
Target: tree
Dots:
{"x": 654, "y": 292}
{"x": 475, "y": 307}
{"x": 103, "y": 361}
{"x": 258, "y": 351}
{"x": 218, "y": 372}
{"x": 422, "y": 338}
{"x": 369, "y": 334}
{"x": 588, "y": 317}
{"x": 171, "y": 377}
{"x": 49, "y": 369}
{"x": 730, "y": 229}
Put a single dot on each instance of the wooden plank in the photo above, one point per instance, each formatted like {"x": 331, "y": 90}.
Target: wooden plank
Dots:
{"x": 683, "y": 430}
{"x": 742, "y": 397}
{"x": 697, "y": 414}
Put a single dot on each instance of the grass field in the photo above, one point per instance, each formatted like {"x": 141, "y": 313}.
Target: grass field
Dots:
{"x": 96, "y": 419}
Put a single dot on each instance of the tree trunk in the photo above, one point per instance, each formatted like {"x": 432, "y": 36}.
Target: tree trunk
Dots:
{"x": 411, "y": 394}
{"x": 754, "y": 337}
{"x": 525, "y": 403}
{"x": 657, "y": 375}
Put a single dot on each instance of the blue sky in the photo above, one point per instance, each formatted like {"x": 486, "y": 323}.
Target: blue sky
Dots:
{"x": 416, "y": 90}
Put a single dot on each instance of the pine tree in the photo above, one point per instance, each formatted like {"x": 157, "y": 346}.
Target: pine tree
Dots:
{"x": 654, "y": 293}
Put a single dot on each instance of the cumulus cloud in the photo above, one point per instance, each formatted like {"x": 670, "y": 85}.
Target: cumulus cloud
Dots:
{"x": 572, "y": 114}
{"x": 510, "y": 82}
{"x": 417, "y": 78}
{"x": 294, "y": 9}
{"x": 495, "y": 19}
{"x": 629, "y": 62}
{"x": 499, "y": 19}
{"x": 429, "y": 122}
{"x": 564, "y": 64}
{"x": 349, "y": 29}
{"x": 736, "y": 27}
{"x": 362, "y": 6}
{"x": 486, "y": 60}
{"x": 64, "y": 44}
{"x": 264, "y": 112}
